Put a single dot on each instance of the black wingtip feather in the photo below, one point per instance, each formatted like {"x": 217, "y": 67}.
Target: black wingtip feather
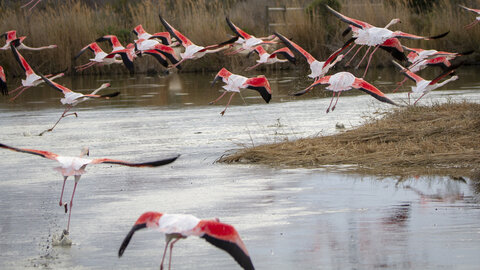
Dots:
{"x": 234, "y": 250}
{"x": 127, "y": 239}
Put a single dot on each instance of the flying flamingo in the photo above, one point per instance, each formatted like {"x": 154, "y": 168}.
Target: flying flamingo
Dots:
{"x": 193, "y": 51}
{"x": 12, "y": 35}
{"x": 375, "y": 36}
{"x": 477, "y": 19}
{"x": 235, "y": 82}
{"x": 100, "y": 58}
{"x": 267, "y": 58}
{"x": 249, "y": 41}
{"x": 75, "y": 166}
{"x": 179, "y": 226}
{"x": 318, "y": 69}
{"x": 3, "y": 82}
{"x": 31, "y": 1}
{"x": 421, "y": 58}
{"x": 164, "y": 37}
{"x": 343, "y": 81}
{"x": 424, "y": 86}
{"x": 32, "y": 79}
{"x": 72, "y": 98}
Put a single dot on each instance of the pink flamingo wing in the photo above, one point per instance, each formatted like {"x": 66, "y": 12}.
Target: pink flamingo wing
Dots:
{"x": 156, "y": 163}
{"x": 41, "y": 153}
{"x": 337, "y": 52}
{"x": 294, "y": 47}
{"x": 224, "y": 236}
{"x": 470, "y": 9}
{"x": 323, "y": 80}
{"x": 55, "y": 85}
{"x": 366, "y": 87}
{"x": 23, "y": 63}
{"x": 165, "y": 37}
{"x": 354, "y": 22}
{"x": 261, "y": 85}
{"x": 181, "y": 38}
{"x": 447, "y": 72}
{"x": 237, "y": 30}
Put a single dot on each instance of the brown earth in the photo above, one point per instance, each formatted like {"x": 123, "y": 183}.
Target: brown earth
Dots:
{"x": 442, "y": 139}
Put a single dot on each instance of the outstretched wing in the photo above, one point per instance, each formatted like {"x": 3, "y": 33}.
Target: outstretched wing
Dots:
{"x": 237, "y": 30}
{"x": 130, "y": 164}
{"x": 294, "y": 47}
{"x": 354, "y": 22}
{"x": 323, "y": 80}
{"x": 181, "y": 38}
{"x": 285, "y": 52}
{"x": 55, "y": 85}
{"x": 159, "y": 56}
{"x": 92, "y": 47}
{"x": 470, "y": 9}
{"x": 261, "y": 85}
{"x": 223, "y": 74}
{"x": 447, "y": 72}
{"x": 127, "y": 58}
{"x": 224, "y": 236}
{"x": 366, "y": 87}
{"x": 41, "y": 153}
{"x": 113, "y": 40}
{"x": 337, "y": 52}
{"x": 400, "y": 34}
{"x": 412, "y": 76}
{"x": 21, "y": 61}
{"x": 164, "y": 37}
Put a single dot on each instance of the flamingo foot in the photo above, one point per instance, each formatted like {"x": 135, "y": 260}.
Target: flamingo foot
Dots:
{"x": 66, "y": 207}
{"x": 222, "y": 112}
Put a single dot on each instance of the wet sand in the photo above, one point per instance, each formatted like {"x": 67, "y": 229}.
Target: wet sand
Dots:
{"x": 288, "y": 218}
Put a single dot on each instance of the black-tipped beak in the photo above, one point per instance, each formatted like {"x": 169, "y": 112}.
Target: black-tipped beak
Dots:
{"x": 216, "y": 79}
{"x": 126, "y": 241}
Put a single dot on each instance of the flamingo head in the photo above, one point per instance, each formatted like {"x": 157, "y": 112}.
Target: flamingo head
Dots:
{"x": 85, "y": 152}
{"x": 392, "y": 22}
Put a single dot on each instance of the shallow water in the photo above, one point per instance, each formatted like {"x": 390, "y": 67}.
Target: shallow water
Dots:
{"x": 288, "y": 218}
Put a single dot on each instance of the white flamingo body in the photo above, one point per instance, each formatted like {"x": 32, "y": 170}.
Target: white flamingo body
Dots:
{"x": 341, "y": 81}
{"x": 177, "y": 223}
{"x": 234, "y": 82}
{"x": 192, "y": 51}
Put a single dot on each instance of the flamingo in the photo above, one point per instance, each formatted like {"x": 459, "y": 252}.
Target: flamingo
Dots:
{"x": 12, "y": 35}
{"x": 424, "y": 86}
{"x": 31, "y": 1}
{"x": 99, "y": 59}
{"x": 477, "y": 19}
{"x": 421, "y": 58}
{"x": 3, "y": 82}
{"x": 113, "y": 40}
{"x": 32, "y": 79}
{"x": 267, "y": 58}
{"x": 72, "y": 98}
{"x": 343, "y": 81}
{"x": 375, "y": 36}
{"x": 235, "y": 82}
{"x": 247, "y": 41}
{"x": 318, "y": 69}
{"x": 75, "y": 166}
{"x": 164, "y": 37}
{"x": 179, "y": 226}
{"x": 193, "y": 51}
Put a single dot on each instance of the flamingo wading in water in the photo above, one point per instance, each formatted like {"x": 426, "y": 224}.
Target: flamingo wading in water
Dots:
{"x": 179, "y": 226}
{"x": 75, "y": 166}
{"x": 343, "y": 81}
{"x": 72, "y": 98}
{"x": 234, "y": 82}
{"x": 424, "y": 86}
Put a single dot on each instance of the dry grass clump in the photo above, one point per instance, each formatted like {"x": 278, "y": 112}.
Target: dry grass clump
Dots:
{"x": 439, "y": 139}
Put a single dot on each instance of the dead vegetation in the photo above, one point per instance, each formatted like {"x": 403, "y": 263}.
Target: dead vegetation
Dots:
{"x": 440, "y": 139}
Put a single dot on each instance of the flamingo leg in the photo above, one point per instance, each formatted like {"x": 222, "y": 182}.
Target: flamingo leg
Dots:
{"x": 363, "y": 57}
{"x": 22, "y": 90}
{"x": 215, "y": 101}
{"x": 333, "y": 96}
{"x": 170, "y": 257}
{"x": 419, "y": 98}
{"x": 350, "y": 50}
{"x": 408, "y": 98}
{"x": 62, "y": 116}
{"x": 235, "y": 52}
{"x": 61, "y": 194}
{"x": 16, "y": 89}
{"x": 223, "y": 112}
{"x": 168, "y": 239}
{"x": 338, "y": 96}
{"x": 400, "y": 84}
{"x": 349, "y": 61}
{"x": 178, "y": 63}
{"x": 77, "y": 178}
{"x": 252, "y": 67}
{"x": 370, "y": 59}
{"x": 472, "y": 24}
{"x": 31, "y": 1}
{"x": 85, "y": 66}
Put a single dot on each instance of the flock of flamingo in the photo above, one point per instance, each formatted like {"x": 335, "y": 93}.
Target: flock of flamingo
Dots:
{"x": 161, "y": 46}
